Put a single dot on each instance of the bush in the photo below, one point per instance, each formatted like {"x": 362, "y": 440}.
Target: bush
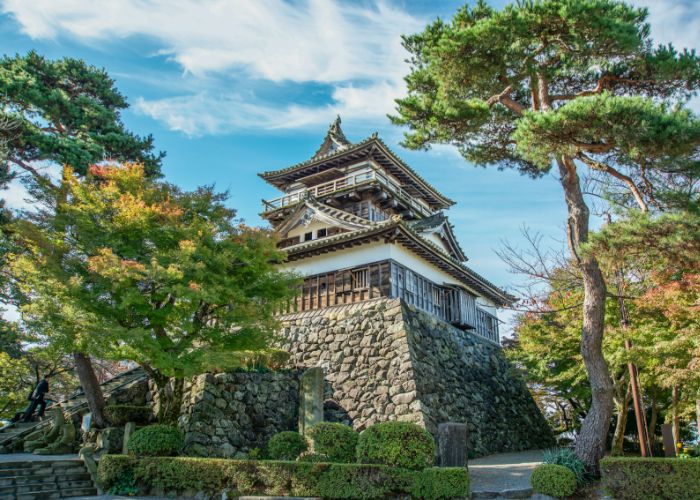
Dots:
{"x": 569, "y": 459}
{"x": 553, "y": 480}
{"x": 287, "y": 445}
{"x": 124, "y": 485}
{"x": 396, "y": 444}
{"x": 313, "y": 458}
{"x": 155, "y": 441}
{"x": 338, "y": 442}
{"x": 439, "y": 482}
{"x": 185, "y": 475}
{"x": 119, "y": 415}
{"x": 636, "y": 477}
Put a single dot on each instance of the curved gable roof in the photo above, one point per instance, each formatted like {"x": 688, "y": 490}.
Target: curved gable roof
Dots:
{"x": 336, "y": 149}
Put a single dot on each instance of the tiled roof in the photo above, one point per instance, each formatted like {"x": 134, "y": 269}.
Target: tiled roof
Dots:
{"x": 434, "y": 222}
{"x": 319, "y": 157}
{"x": 334, "y": 215}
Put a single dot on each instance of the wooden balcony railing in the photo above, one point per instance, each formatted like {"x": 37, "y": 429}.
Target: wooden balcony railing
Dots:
{"x": 353, "y": 180}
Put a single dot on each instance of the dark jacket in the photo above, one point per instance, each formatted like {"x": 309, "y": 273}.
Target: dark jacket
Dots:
{"x": 41, "y": 389}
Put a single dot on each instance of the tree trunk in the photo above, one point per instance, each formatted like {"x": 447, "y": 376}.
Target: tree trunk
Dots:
{"x": 168, "y": 397}
{"x": 622, "y": 404}
{"x": 591, "y": 440}
{"x": 91, "y": 388}
{"x": 697, "y": 411}
{"x": 676, "y": 420}
{"x": 654, "y": 419}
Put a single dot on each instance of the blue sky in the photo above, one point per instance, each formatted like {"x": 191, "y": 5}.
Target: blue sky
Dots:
{"x": 232, "y": 88}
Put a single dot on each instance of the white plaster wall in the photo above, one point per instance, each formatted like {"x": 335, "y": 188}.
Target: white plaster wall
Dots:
{"x": 435, "y": 238}
{"x": 341, "y": 259}
{"x": 373, "y": 252}
{"x": 301, "y": 230}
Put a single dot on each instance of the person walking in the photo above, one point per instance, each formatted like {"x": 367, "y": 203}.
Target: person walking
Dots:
{"x": 37, "y": 399}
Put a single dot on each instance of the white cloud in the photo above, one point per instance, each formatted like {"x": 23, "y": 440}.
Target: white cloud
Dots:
{"x": 355, "y": 48}
{"x": 277, "y": 40}
{"x": 208, "y": 113}
{"x": 674, "y": 21}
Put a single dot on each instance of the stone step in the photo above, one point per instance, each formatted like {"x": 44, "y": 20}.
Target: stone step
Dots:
{"x": 504, "y": 494}
{"x": 44, "y": 478}
{"x": 34, "y": 487}
{"x": 43, "y": 468}
{"x": 45, "y": 495}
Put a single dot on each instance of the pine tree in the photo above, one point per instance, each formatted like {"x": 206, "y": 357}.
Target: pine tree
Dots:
{"x": 574, "y": 84}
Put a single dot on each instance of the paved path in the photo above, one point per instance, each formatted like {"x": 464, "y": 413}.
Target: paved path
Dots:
{"x": 507, "y": 474}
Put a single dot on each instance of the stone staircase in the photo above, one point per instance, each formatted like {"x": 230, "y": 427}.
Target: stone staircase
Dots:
{"x": 43, "y": 479}
{"x": 76, "y": 403}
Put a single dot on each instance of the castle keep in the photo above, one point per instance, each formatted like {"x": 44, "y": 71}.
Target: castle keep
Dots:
{"x": 360, "y": 224}
{"x": 402, "y": 327}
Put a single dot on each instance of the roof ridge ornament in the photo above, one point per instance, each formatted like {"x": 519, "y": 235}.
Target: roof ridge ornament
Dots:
{"x": 335, "y": 140}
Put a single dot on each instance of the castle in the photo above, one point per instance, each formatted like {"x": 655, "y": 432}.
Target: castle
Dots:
{"x": 402, "y": 328}
{"x": 360, "y": 224}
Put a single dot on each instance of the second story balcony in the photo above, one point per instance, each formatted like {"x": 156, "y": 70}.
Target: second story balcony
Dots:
{"x": 355, "y": 180}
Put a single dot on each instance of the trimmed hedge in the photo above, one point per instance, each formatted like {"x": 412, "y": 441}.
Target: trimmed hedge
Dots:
{"x": 186, "y": 476}
{"x": 657, "y": 478}
{"x": 119, "y": 415}
{"x": 336, "y": 441}
{"x": 286, "y": 445}
{"x": 396, "y": 444}
{"x": 553, "y": 480}
{"x": 156, "y": 440}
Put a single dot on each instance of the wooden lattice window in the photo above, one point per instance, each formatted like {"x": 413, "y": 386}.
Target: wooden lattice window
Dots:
{"x": 360, "y": 278}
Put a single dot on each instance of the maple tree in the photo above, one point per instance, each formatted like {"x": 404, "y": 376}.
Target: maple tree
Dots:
{"x": 153, "y": 274}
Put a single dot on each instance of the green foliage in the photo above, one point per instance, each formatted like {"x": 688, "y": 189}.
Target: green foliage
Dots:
{"x": 441, "y": 482}
{"x": 553, "y": 480}
{"x": 396, "y": 444}
{"x": 239, "y": 477}
{"x": 337, "y": 442}
{"x": 286, "y": 445}
{"x": 14, "y": 386}
{"x": 566, "y": 458}
{"x": 121, "y": 414}
{"x": 138, "y": 269}
{"x": 66, "y": 112}
{"x": 124, "y": 485}
{"x": 313, "y": 458}
{"x": 155, "y": 441}
{"x": 639, "y": 127}
{"x": 629, "y": 478}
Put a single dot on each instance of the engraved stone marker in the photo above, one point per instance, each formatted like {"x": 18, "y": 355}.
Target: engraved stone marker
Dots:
{"x": 310, "y": 398}
{"x": 129, "y": 429}
{"x": 452, "y": 444}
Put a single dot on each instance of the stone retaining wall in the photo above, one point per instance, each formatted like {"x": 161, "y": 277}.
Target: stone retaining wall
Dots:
{"x": 230, "y": 413}
{"x": 385, "y": 360}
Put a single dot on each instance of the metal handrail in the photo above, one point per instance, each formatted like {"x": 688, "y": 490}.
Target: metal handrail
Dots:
{"x": 78, "y": 406}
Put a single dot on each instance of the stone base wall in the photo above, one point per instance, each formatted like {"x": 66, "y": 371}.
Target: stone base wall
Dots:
{"x": 385, "y": 360}
{"x": 230, "y": 413}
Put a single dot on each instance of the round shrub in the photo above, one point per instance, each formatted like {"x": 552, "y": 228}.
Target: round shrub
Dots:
{"x": 396, "y": 444}
{"x": 553, "y": 480}
{"x": 287, "y": 445}
{"x": 155, "y": 441}
{"x": 119, "y": 415}
{"x": 338, "y": 442}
